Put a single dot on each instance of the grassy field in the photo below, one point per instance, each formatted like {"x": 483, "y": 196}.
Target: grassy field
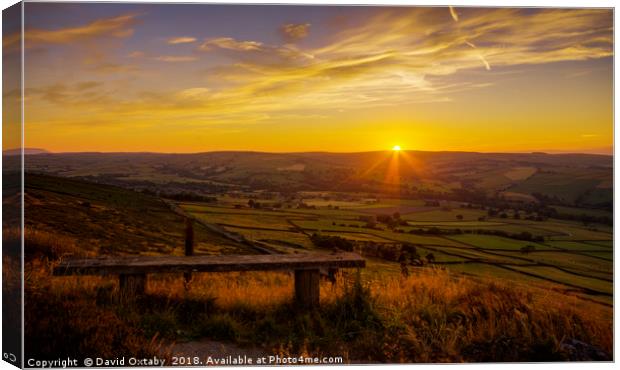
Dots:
{"x": 111, "y": 220}
{"x": 432, "y": 316}
{"x": 475, "y": 254}
{"x": 466, "y": 292}
{"x": 497, "y": 242}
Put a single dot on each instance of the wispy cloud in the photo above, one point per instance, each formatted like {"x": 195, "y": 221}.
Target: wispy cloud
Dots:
{"x": 393, "y": 55}
{"x": 136, "y": 54}
{"x": 112, "y": 68}
{"x": 398, "y": 57}
{"x": 78, "y": 94}
{"x": 229, "y": 43}
{"x": 115, "y": 27}
{"x": 292, "y": 32}
{"x": 176, "y": 58}
{"x": 181, "y": 40}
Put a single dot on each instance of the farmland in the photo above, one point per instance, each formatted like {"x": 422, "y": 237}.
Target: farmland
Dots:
{"x": 567, "y": 255}
{"x": 565, "y": 258}
{"x": 425, "y": 240}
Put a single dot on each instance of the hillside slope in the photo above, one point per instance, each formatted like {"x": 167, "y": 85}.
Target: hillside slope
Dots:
{"x": 109, "y": 220}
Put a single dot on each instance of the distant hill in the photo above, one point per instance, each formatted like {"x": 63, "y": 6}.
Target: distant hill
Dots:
{"x": 568, "y": 178}
{"x": 27, "y": 151}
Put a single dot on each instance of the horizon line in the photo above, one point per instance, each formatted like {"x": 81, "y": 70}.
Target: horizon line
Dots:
{"x": 546, "y": 152}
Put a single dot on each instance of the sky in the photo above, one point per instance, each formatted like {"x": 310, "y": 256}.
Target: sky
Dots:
{"x": 197, "y": 78}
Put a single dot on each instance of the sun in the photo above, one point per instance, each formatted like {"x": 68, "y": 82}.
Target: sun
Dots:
{"x": 396, "y": 148}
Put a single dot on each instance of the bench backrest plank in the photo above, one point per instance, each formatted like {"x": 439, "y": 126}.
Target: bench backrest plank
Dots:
{"x": 168, "y": 264}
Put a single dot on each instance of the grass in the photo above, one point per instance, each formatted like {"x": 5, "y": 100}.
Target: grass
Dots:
{"x": 438, "y": 215}
{"x": 110, "y": 220}
{"x": 495, "y": 242}
{"x": 272, "y": 222}
{"x": 202, "y": 208}
{"x": 432, "y": 316}
{"x": 583, "y": 211}
{"x": 357, "y": 236}
{"x": 602, "y": 243}
{"x": 574, "y": 232}
{"x": 331, "y": 225}
{"x": 576, "y": 246}
{"x": 567, "y": 278}
{"x": 566, "y": 186}
{"x": 283, "y": 237}
{"x": 579, "y": 263}
{"x": 455, "y": 224}
{"x": 414, "y": 239}
{"x": 490, "y": 271}
{"x": 606, "y": 255}
{"x": 468, "y": 254}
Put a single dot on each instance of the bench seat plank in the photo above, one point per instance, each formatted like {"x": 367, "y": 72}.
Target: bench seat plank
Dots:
{"x": 170, "y": 264}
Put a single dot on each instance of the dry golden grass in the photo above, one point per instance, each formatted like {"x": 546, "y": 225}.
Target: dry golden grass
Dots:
{"x": 431, "y": 316}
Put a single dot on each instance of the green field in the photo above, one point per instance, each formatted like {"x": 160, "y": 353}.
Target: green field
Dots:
{"x": 496, "y": 242}
{"x": 562, "y": 277}
{"x": 582, "y": 254}
{"x": 577, "y": 246}
{"x": 572, "y": 254}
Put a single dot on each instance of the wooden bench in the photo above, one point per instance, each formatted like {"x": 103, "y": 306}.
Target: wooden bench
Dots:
{"x": 132, "y": 271}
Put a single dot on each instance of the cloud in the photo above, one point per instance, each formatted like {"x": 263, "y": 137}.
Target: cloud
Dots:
{"x": 181, "y": 40}
{"x": 395, "y": 53}
{"x": 176, "y": 58}
{"x": 92, "y": 93}
{"x": 115, "y": 27}
{"x": 194, "y": 93}
{"x": 395, "y": 58}
{"x": 454, "y": 14}
{"x": 257, "y": 53}
{"x": 113, "y": 68}
{"x": 292, "y": 32}
{"x": 136, "y": 54}
{"x": 229, "y": 43}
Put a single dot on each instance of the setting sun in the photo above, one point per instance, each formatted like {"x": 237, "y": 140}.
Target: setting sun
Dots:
{"x": 396, "y": 148}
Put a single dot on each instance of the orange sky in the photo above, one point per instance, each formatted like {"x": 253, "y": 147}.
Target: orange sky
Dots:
{"x": 191, "y": 78}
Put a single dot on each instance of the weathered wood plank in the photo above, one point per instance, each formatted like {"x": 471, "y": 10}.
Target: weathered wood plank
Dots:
{"x": 169, "y": 264}
{"x": 189, "y": 247}
{"x": 307, "y": 288}
{"x": 131, "y": 286}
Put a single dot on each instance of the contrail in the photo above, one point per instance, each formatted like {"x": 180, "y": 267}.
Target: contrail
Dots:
{"x": 453, "y": 14}
{"x": 480, "y": 56}
{"x": 486, "y": 64}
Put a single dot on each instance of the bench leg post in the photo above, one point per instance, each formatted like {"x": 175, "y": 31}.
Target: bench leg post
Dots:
{"x": 307, "y": 288}
{"x": 131, "y": 285}
{"x": 189, "y": 248}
